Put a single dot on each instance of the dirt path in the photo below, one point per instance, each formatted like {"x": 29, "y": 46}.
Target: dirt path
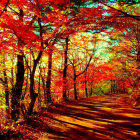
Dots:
{"x": 108, "y": 117}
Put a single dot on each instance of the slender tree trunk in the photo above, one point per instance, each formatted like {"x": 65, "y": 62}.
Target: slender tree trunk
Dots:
{"x": 12, "y": 76}
{"x": 39, "y": 95}
{"x": 138, "y": 60}
{"x": 6, "y": 85}
{"x": 113, "y": 86}
{"x": 65, "y": 71}
{"x": 33, "y": 95}
{"x": 91, "y": 90}
{"x": 76, "y": 75}
{"x": 48, "y": 82}
{"x": 26, "y": 86}
{"x": 44, "y": 88}
{"x": 6, "y": 88}
{"x": 6, "y": 95}
{"x": 15, "y": 100}
{"x": 86, "y": 91}
{"x": 75, "y": 89}
{"x": 23, "y": 106}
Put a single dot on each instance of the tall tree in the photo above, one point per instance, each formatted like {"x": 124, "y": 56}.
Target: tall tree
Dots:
{"x": 16, "y": 95}
{"x": 65, "y": 70}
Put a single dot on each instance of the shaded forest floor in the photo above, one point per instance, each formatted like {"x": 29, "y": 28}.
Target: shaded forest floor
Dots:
{"x": 107, "y": 117}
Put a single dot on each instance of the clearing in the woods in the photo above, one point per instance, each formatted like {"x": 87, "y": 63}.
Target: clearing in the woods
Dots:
{"x": 108, "y": 117}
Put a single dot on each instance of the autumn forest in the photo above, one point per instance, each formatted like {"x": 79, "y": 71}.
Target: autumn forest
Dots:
{"x": 70, "y": 62}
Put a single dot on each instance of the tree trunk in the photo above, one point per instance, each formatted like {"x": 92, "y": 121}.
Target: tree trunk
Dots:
{"x": 33, "y": 95}
{"x": 6, "y": 91}
{"x": 48, "y": 82}
{"x": 91, "y": 90}
{"x": 138, "y": 60}
{"x": 44, "y": 88}
{"x": 65, "y": 71}
{"x": 6, "y": 88}
{"x": 12, "y": 77}
{"x": 16, "y": 95}
{"x": 86, "y": 91}
{"x": 76, "y": 75}
{"x": 39, "y": 95}
{"x": 23, "y": 106}
{"x": 113, "y": 86}
{"x": 31, "y": 105}
{"x": 17, "y": 91}
{"x": 6, "y": 85}
{"x": 75, "y": 89}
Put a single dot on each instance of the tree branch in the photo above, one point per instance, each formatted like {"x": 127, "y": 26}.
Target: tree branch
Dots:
{"x": 4, "y": 8}
{"x": 85, "y": 68}
{"x": 125, "y": 13}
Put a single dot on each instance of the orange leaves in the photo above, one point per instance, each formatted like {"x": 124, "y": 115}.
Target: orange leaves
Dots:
{"x": 19, "y": 3}
{"x": 2, "y": 4}
{"x": 97, "y": 74}
{"x": 89, "y": 12}
{"x": 60, "y": 2}
{"x": 23, "y": 32}
{"x": 58, "y": 17}
{"x": 104, "y": 68}
{"x": 59, "y": 83}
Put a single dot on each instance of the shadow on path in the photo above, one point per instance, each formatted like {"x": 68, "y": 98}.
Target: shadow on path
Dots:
{"x": 96, "y": 118}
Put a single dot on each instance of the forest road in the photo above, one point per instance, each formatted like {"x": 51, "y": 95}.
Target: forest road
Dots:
{"x": 107, "y": 117}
